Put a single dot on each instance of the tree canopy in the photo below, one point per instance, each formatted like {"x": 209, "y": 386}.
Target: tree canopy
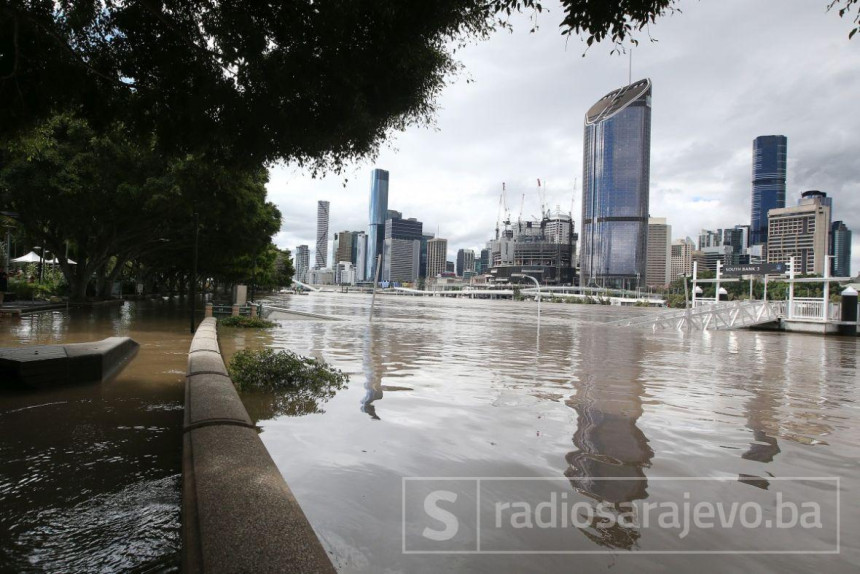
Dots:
{"x": 315, "y": 82}
{"x": 113, "y": 199}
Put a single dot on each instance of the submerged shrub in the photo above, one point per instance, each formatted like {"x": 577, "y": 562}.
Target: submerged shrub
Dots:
{"x": 268, "y": 370}
{"x": 246, "y": 322}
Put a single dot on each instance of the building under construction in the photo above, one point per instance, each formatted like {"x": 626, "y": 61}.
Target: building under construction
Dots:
{"x": 544, "y": 249}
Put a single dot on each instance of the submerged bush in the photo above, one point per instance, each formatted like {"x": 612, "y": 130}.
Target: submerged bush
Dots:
{"x": 268, "y": 370}
{"x": 246, "y": 322}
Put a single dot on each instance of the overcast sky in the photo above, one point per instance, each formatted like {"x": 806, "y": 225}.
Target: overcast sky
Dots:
{"x": 723, "y": 72}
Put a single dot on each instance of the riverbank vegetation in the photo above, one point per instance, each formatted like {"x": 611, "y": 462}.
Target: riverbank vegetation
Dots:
{"x": 269, "y": 370}
{"x": 243, "y": 322}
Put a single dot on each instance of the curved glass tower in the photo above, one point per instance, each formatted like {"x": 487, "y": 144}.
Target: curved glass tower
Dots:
{"x": 768, "y": 182}
{"x": 378, "y": 211}
{"x": 616, "y": 171}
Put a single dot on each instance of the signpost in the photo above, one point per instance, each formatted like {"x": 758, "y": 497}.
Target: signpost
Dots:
{"x": 756, "y": 269}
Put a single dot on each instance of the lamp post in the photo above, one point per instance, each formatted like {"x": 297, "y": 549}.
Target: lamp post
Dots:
{"x": 537, "y": 284}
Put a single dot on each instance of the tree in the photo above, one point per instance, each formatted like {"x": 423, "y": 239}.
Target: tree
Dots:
{"x": 314, "y": 82}
{"x": 113, "y": 199}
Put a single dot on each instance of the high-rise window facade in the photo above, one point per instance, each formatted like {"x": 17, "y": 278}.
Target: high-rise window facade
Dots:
{"x": 616, "y": 170}
{"x": 378, "y": 214}
{"x": 321, "y": 256}
{"x": 840, "y": 242}
{"x": 768, "y": 182}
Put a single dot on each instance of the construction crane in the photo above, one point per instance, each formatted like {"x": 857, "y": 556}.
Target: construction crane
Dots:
{"x": 542, "y": 197}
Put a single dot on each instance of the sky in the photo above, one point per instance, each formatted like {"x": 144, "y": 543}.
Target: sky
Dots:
{"x": 723, "y": 72}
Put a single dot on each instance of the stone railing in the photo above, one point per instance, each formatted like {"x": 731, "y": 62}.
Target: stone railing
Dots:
{"x": 238, "y": 514}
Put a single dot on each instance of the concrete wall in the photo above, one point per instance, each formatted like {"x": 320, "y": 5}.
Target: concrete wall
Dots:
{"x": 239, "y": 515}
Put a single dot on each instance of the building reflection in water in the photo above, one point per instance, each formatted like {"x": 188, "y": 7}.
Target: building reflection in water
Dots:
{"x": 610, "y": 445}
{"x": 372, "y": 366}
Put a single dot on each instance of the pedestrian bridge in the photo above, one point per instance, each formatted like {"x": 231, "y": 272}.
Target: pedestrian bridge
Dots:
{"x": 711, "y": 316}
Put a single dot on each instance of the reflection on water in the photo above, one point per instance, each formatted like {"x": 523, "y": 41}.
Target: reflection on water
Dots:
{"x": 472, "y": 388}
{"x": 89, "y": 475}
{"x": 608, "y": 404}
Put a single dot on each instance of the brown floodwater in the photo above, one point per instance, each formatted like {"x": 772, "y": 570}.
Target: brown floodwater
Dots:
{"x": 90, "y": 474}
{"x": 586, "y": 412}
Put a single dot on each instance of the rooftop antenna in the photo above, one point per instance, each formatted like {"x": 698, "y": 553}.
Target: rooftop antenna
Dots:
{"x": 630, "y": 69}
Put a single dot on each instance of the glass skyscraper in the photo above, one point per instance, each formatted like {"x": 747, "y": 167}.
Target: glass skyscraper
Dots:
{"x": 616, "y": 171}
{"x": 768, "y": 182}
{"x": 378, "y": 214}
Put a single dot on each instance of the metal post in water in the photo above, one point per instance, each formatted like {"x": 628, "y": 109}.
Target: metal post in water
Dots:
{"x": 695, "y": 280}
{"x": 827, "y": 287}
{"x": 790, "y": 288}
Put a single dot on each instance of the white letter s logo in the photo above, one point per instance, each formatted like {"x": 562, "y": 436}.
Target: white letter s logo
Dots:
{"x": 452, "y": 525}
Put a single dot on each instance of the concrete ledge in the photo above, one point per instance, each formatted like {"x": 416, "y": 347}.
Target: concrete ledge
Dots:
{"x": 205, "y": 362}
{"x": 212, "y": 397}
{"x": 239, "y": 515}
{"x": 52, "y": 365}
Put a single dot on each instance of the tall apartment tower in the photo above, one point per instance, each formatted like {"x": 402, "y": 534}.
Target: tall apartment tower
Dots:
{"x": 322, "y": 235}
{"x": 437, "y": 256}
{"x": 768, "y": 183}
{"x": 840, "y": 248}
{"x": 303, "y": 261}
{"x": 378, "y": 214}
{"x": 615, "y": 191}
{"x": 659, "y": 257}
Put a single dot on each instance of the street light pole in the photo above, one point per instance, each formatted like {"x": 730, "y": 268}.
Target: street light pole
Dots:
{"x": 537, "y": 284}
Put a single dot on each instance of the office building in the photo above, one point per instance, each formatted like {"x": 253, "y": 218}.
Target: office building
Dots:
{"x": 322, "y": 235}
{"x": 710, "y": 238}
{"x": 659, "y": 256}
{"x": 465, "y": 262}
{"x": 451, "y": 268}
{"x": 768, "y": 183}
{"x": 401, "y": 259}
{"x": 802, "y": 232}
{"x": 345, "y": 246}
{"x": 361, "y": 256}
{"x": 840, "y": 248}
{"x": 422, "y": 265}
{"x": 401, "y": 254}
{"x": 709, "y": 256}
{"x": 615, "y": 193}
{"x": 681, "y": 258}
{"x": 378, "y": 214}
{"x": 437, "y": 256}
{"x": 303, "y": 261}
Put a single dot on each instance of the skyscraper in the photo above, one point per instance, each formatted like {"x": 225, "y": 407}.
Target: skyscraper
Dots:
{"x": 303, "y": 262}
{"x": 401, "y": 252}
{"x": 437, "y": 256}
{"x": 378, "y": 213}
{"x": 322, "y": 235}
{"x": 768, "y": 182}
{"x": 840, "y": 248}
{"x": 659, "y": 252}
{"x": 465, "y": 261}
{"x": 616, "y": 168}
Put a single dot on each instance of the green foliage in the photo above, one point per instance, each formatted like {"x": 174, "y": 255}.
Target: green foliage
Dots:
{"x": 268, "y": 370}
{"x": 245, "y": 322}
{"x": 114, "y": 199}
{"x": 319, "y": 83}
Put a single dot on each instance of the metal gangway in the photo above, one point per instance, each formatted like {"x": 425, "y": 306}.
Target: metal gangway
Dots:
{"x": 715, "y": 316}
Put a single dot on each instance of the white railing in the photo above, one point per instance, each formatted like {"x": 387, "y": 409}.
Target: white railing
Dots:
{"x": 807, "y": 308}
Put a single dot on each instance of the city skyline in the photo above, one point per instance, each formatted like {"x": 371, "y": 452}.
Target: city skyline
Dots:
{"x": 521, "y": 119}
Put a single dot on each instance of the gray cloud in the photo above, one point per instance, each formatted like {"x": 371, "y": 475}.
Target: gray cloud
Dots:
{"x": 724, "y": 72}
